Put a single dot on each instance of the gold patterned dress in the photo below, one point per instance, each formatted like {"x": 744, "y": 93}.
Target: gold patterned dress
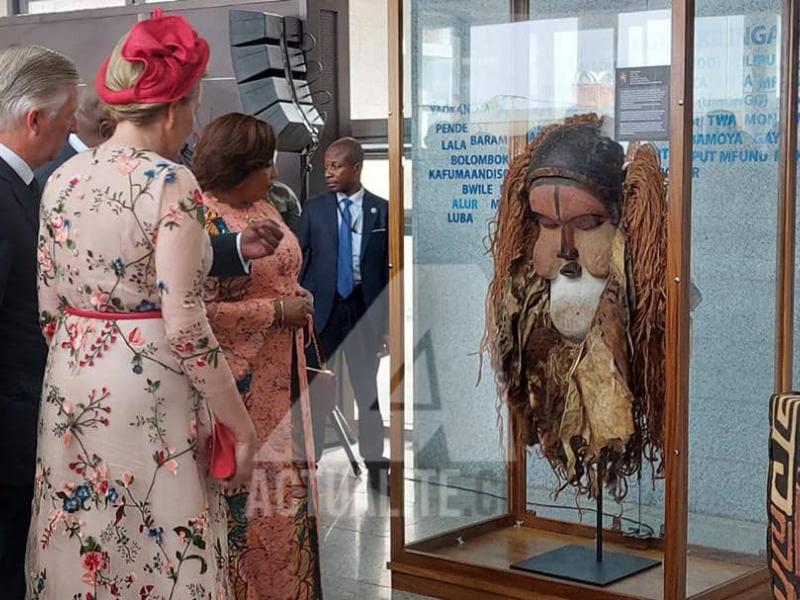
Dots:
{"x": 123, "y": 507}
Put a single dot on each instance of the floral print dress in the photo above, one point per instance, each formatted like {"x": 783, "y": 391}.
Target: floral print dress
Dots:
{"x": 123, "y": 507}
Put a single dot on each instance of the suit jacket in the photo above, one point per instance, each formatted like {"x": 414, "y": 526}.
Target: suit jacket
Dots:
{"x": 22, "y": 348}
{"x": 43, "y": 173}
{"x": 318, "y": 234}
{"x": 226, "y": 256}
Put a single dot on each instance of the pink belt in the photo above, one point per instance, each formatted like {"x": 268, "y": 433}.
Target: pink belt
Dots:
{"x": 111, "y": 316}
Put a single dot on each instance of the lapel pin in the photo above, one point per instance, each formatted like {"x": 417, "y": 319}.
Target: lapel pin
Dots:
{"x": 373, "y": 210}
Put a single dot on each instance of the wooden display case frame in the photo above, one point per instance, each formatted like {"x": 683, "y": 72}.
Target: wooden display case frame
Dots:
{"x": 472, "y": 562}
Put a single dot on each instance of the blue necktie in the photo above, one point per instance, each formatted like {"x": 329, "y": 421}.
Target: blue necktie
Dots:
{"x": 344, "y": 279}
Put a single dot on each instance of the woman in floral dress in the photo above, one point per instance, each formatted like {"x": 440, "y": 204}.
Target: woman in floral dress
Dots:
{"x": 272, "y": 537}
{"x": 123, "y": 507}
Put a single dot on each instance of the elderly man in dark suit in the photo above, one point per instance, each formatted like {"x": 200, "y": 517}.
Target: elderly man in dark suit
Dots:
{"x": 38, "y": 99}
{"x": 344, "y": 239}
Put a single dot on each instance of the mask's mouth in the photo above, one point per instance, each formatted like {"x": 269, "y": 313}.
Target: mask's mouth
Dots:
{"x": 571, "y": 269}
{"x": 574, "y": 301}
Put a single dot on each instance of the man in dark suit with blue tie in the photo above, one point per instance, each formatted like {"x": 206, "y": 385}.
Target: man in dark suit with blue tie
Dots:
{"x": 344, "y": 238}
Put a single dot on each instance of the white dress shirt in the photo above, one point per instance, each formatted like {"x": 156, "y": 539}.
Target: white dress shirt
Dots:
{"x": 20, "y": 167}
{"x": 245, "y": 263}
{"x": 77, "y": 143}
{"x": 357, "y": 227}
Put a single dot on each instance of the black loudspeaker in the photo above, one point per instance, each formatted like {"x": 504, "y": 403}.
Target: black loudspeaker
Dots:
{"x": 269, "y": 62}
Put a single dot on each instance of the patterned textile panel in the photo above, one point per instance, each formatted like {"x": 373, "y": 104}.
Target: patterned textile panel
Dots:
{"x": 784, "y": 562}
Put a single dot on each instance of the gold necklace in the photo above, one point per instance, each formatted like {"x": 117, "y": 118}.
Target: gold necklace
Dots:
{"x": 250, "y": 219}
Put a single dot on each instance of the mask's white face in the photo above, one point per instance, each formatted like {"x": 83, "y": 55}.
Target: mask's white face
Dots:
{"x": 573, "y": 302}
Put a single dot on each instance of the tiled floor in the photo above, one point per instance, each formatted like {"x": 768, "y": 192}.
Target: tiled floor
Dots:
{"x": 355, "y": 535}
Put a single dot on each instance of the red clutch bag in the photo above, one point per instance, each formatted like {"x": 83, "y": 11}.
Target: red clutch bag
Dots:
{"x": 223, "y": 453}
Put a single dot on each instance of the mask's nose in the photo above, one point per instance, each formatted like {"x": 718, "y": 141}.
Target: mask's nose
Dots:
{"x": 569, "y": 253}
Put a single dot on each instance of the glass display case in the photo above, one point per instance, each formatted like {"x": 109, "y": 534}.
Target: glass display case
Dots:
{"x": 709, "y": 86}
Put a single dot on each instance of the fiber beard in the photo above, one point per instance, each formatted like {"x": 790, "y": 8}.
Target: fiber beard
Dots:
{"x": 573, "y": 303}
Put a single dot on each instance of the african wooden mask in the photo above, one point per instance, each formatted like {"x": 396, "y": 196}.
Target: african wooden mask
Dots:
{"x": 575, "y": 312}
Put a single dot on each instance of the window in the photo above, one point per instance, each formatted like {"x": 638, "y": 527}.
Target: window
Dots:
{"x": 50, "y": 6}
{"x": 369, "y": 75}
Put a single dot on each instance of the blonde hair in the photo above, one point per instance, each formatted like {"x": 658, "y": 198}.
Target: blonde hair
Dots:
{"x": 33, "y": 77}
{"x": 123, "y": 74}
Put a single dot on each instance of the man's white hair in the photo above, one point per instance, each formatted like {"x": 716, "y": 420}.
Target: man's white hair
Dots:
{"x": 33, "y": 77}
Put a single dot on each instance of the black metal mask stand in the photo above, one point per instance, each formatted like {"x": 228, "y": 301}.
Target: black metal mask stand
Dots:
{"x": 585, "y": 564}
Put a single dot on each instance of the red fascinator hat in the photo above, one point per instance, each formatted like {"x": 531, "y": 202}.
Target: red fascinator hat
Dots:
{"x": 174, "y": 57}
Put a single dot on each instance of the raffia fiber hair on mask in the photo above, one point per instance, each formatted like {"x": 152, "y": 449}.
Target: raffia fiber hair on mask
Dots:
{"x": 515, "y": 233}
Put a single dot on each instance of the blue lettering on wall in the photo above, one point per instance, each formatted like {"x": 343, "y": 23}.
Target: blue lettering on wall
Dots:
{"x": 760, "y": 35}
